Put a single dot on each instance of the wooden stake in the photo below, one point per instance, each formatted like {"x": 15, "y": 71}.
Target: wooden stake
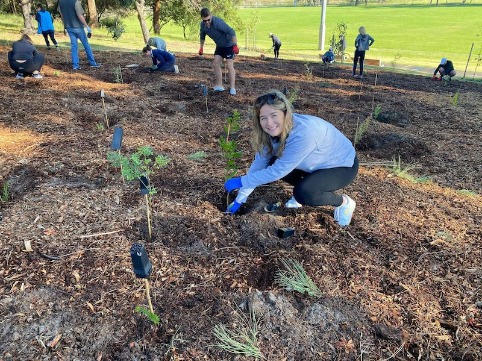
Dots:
{"x": 148, "y": 217}
{"x": 470, "y": 54}
{"x": 148, "y": 295}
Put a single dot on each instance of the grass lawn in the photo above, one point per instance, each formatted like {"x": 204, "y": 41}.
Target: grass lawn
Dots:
{"x": 415, "y": 36}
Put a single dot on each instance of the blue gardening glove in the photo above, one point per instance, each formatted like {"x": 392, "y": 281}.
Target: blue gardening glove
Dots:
{"x": 232, "y": 184}
{"x": 233, "y": 207}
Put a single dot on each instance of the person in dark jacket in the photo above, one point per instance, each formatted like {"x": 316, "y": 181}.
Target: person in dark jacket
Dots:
{"x": 362, "y": 43}
{"x": 24, "y": 58}
{"x": 226, "y": 48}
{"x": 446, "y": 67}
{"x": 46, "y": 25}
{"x": 328, "y": 57}
{"x": 161, "y": 60}
{"x": 276, "y": 44}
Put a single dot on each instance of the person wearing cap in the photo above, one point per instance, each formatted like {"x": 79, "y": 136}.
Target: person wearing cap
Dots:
{"x": 446, "y": 67}
{"x": 328, "y": 57}
{"x": 226, "y": 48}
{"x": 276, "y": 44}
{"x": 157, "y": 43}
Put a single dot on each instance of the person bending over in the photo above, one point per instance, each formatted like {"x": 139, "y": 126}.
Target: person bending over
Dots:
{"x": 24, "y": 58}
{"x": 303, "y": 150}
{"x": 446, "y": 67}
{"x": 161, "y": 60}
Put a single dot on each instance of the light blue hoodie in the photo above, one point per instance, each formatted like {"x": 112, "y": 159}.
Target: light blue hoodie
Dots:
{"x": 312, "y": 144}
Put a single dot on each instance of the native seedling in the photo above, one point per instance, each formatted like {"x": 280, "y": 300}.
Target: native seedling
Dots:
{"x": 295, "y": 278}
{"x": 5, "y": 195}
{"x": 118, "y": 75}
{"x": 102, "y": 96}
{"x": 229, "y": 147}
{"x": 242, "y": 341}
{"x": 197, "y": 156}
{"x": 142, "y": 268}
{"x": 361, "y": 129}
{"x": 140, "y": 165}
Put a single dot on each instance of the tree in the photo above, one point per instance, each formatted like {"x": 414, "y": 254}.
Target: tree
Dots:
{"x": 26, "y": 6}
{"x": 140, "y": 7}
{"x": 156, "y": 24}
{"x": 93, "y": 17}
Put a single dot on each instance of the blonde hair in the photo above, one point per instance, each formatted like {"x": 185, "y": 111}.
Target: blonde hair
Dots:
{"x": 259, "y": 138}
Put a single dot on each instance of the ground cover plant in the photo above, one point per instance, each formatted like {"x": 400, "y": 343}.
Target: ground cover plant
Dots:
{"x": 401, "y": 282}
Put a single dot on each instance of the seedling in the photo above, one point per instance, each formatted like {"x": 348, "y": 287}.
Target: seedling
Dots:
{"x": 140, "y": 165}
{"x": 142, "y": 268}
{"x": 295, "y": 278}
{"x": 403, "y": 172}
{"x": 361, "y": 129}
{"x": 243, "y": 341}
{"x": 5, "y": 196}
{"x": 106, "y": 120}
{"x": 294, "y": 95}
{"x": 229, "y": 147}
{"x": 118, "y": 75}
{"x": 197, "y": 156}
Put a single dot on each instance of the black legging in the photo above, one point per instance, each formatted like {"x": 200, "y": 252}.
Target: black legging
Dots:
{"x": 359, "y": 54}
{"x": 276, "y": 50}
{"x": 316, "y": 189}
{"x": 27, "y": 67}
{"x": 50, "y": 33}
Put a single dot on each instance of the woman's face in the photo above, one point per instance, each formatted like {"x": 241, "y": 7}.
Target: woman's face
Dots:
{"x": 271, "y": 120}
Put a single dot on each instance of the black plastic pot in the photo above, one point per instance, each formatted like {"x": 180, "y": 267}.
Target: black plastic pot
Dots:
{"x": 144, "y": 185}
{"x": 117, "y": 138}
{"x": 140, "y": 261}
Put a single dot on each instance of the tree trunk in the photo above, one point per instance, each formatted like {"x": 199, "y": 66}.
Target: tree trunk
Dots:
{"x": 26, "y": 6}
{"x": 140, "y": 6}
{"x": 156, "y": 9}
{"x": 93, "y": 16}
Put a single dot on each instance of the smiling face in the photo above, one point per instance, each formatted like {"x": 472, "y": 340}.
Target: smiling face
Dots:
{"x": 271, "y": 120}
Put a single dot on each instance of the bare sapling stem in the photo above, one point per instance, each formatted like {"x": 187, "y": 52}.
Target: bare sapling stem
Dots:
{"x": 468, "y": 59}
{"x": 122, "y": 174}
{"x": 148, "y": 295}
{"x": 148, "y": 211}
{"x": 105, "y": 113}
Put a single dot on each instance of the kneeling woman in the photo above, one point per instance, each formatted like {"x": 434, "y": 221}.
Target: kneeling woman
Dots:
{"x": 303, "y": 150}
{"x": 24, "y": 58}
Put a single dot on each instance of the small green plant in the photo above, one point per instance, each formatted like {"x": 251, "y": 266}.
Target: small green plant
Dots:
{"x": 57, "y": 73}
{"x": 403, "y": 172}
{"x": 100, "y": 127}
{"x": 455, "y": 98}
{"x": 230, "y": 146}
{"x": 293, "y": 95}
{"x": 244, "y": 341}
{"x": 151, "y": 316}
{"x": 295, "y": 278}
{"x": 467, "y": 192}
{"x": 361, "y": 129}
{"x": 376, "y": 111}
{"x": 197, "y": 156}
{"x": 308, "y": 71}
{"x": 5, "y": 196}
{"x": 138, "y": 165}
{"x": 395, "y": 60}
{"x": 118, "y": 75}
{"x": 115, "y": 26}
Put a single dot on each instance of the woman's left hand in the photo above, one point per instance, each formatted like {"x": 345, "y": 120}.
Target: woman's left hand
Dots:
{"x": 232, "y": 184}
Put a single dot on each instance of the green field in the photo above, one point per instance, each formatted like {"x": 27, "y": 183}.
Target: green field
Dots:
{"x": 416, "y": 36}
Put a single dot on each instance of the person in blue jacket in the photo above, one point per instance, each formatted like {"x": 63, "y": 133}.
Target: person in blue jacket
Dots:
{"x": 362, "y": 43}
{"x": 161, "y": 60}
{"x": 226, "y": 48}
{"x": 45, "y": 25}
{"x": 328, "y": 57}
{"x": 303, "y": 150}
{"x": 157, "y": 43}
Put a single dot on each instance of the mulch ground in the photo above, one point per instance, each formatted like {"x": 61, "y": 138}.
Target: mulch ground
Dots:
{"x": 403, "y": 281}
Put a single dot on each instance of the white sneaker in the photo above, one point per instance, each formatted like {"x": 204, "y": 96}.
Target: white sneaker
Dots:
{"x": 37, "y": 75}
{"x": 344, "y": 212}
{"x": 19, "y": 76}
{"x": 176, "y": 69}
{"x": 292, "y": 203}
{"x": 232, "y": 91}
{"x": 218, "y": 88}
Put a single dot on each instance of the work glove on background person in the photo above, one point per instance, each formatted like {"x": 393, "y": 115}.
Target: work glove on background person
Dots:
{"x": 233, "y": 207}
{"x": 201, "y": 51}
{"x": 89, "y": 32}
{"x": 235, "y": 49}
{"x": 232, "y": 184}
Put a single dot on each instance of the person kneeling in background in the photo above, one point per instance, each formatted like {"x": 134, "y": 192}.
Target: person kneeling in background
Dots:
{"x": 24, "y": 58}
{"x": 161, "y": 60}
{"x": 446, "y": 67}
